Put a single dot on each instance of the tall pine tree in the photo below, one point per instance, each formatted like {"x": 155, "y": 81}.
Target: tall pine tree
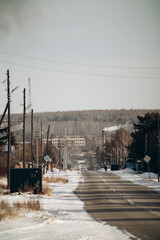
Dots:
{"x": 145, "y": 140}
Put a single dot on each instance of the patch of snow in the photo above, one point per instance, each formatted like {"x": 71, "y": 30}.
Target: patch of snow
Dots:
{"x": 62, "y": 216}
{"x": 142, "y": 179}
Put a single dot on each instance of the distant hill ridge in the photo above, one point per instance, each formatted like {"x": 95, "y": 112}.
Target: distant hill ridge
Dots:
{"x": 121, "y": 115}
{"x": 88, "y": 123}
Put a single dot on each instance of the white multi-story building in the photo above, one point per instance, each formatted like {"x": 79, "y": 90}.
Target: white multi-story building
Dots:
{"x": 67, "y": 141}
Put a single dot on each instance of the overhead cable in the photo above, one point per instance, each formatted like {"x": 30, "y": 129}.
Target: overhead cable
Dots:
{"x": 79, "y": 73}
{"x": 80, "y": 64}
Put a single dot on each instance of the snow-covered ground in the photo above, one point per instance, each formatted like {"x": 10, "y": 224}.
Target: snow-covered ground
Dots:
{"x": 149, "y": 180}
{"x": 62, "y": 215}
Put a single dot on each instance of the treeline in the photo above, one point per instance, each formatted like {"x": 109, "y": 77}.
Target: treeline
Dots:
{"x": 88, "y": 123}
{"x": 112, "y": 116}
{"x": 115, "y": 116}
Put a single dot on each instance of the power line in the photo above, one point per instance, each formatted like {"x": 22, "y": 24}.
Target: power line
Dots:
{"x": 79, "y": 64}
{"x": 80, "y": 73}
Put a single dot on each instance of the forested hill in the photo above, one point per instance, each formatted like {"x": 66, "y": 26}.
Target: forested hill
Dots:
{"x": 78, "y": 123}
{"x": 111, "y": 116}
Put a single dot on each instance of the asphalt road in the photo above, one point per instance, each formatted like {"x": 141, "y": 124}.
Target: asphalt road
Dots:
{"x": 117, "y": 202}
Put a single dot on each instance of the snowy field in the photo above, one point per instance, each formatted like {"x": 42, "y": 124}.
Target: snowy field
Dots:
{"x": 62, "y": 216}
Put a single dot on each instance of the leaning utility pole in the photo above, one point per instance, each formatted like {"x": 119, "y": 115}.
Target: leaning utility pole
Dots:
{"x": 9, "y": 131}
{"x": 4, "y": 114}
{"x": 24, "y": 129}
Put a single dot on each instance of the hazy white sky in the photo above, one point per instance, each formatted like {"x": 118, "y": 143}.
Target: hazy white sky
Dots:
{"x": 81, "y": 54}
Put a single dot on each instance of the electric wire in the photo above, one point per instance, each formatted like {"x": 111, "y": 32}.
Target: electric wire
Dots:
{"x": 79, "y": 64}
{"x": 80, "y": 73}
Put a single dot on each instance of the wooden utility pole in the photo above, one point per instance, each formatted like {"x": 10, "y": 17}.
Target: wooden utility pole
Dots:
{"x": 9, "y": 131}
{"x": 42, "y": 147}
{"x": 59, "y": 159}
{"x": 32, "y": 137}
{"x": 47, "y": 144}
{"x": 37, "y": 149}
{"x": 24, "y": 126}
{"x": 146, "y": 144}
{"x": 47, "y": 139}
{"x": 52, "y": 153}
{"x": 158, "y": 149}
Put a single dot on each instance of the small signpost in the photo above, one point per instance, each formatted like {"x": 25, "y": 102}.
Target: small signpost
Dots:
{"x": 147, "y": 160}
{"x": 47, "y": 158}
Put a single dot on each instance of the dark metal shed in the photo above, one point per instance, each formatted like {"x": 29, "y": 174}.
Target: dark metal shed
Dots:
{"x": 26, "y": 179}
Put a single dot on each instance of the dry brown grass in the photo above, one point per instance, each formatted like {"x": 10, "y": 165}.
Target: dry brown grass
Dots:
{"x": 31, "y": 205}
{"x": 47, "y": 190}
{"x": 6, "y": 210}
{"x": 3, "y": 186}
{"x": 56, "y": 180}
{"x": 12, "y": 210}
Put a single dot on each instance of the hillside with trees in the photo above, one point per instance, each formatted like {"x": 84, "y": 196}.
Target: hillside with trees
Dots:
{"x": 88, "y": 123}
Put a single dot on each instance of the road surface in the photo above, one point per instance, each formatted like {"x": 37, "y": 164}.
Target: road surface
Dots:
{"x": 117, "y": 202}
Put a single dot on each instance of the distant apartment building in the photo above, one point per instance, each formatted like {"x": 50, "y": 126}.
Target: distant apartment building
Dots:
{"x": 67, "y": 142}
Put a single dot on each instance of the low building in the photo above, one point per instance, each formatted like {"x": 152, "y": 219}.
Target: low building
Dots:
{"x": 67, "y": 142}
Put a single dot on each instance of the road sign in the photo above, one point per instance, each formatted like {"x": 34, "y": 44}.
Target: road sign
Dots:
{"x": 147, "y": 159}
{"x": 47, "y": 158}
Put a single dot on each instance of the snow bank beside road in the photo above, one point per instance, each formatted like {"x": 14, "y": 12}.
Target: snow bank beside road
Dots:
{"x": 140, "y": 179}
{"x": 62, "y": 216}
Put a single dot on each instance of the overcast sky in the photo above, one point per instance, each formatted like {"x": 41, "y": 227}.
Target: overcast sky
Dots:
{"x": 81, "y": 54}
